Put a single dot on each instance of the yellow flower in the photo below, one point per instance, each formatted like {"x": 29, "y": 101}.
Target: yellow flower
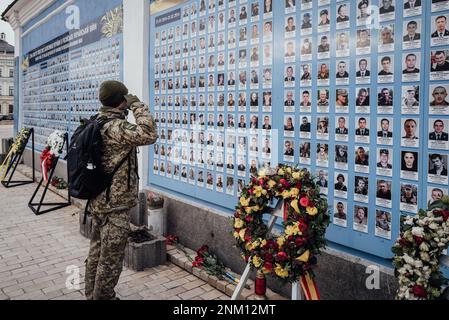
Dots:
{"x": 281, "y": 172}
{"x": 261, "y": 174}
{"x": 280, "y": 241}
{"x": 296, "y": 175}
{"x": 257, "y": 261}
{"x": 259, "y": 191}
{"x": 265, "y": 270}
{"x": 238, "y": 223}
{"x": 271, "y": 184}
{"x": 242, "y": 234}
{"x": 289, "y": 170}
{"x": 236, "y": 235}
{"x": 248, "y": 210}
{"x": 311, "y": 211}
{"x": 304, "y": 257}
{"x": 263, "y": 243}
{"x": 286, "y": 194}
{"x": 244, "y": 202}
{"x": 292, "y": 229}
{"x": 294, "y": 205}
{"x": 281, "y": 272}
{"x": 294, "y": 192}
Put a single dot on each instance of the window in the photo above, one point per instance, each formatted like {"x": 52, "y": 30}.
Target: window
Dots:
{"x": 11, "y": 73}
{"x": 11, "y": 91}
{"x": 11, "y": 108}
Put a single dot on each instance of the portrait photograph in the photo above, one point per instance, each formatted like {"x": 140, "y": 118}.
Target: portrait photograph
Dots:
{"x": 341, "y": 157}
{"x": 361, "y": 188}
{"x": 342, "y": 19}
{"x": 386, "y": 38}
{"x": 290, "y": 6}
{"x": 383, "y": 224}
{"x": 342, "y": 44}
{"x": 342, "y": 72}
{"x": 411, "y": 38}
{"x": 438, "y": 133}
{"x": 387, "y": 9}
{"x": 410, "y": 132}
{"x": 409, "y": 165}
{"x": 306, "y": 23}
{"x": 363, "y": 11}
{"x": 305, "y": 127}
{"x": 412, "y": 8}
{"x": 385, "y": 99}
{"x": 439, "y": 30}
{"x": 361, "y": 159}
{"x": 322, "y": 98}
{"x": 409, "y": 197}
{"x": 437, "y": 168}
{"x": 435, "y": 194}
{"x": 362, "y": 100}
{"x": 340, "y": 213}
{"x": 410, "y": 100}
{"x": 304, "y": 153}
{"x": 290, "y": 27}
{"x": 384, "y": 162}
{"x": 289, "y": 151}
{"x": 440, "y": 5}
{"x": 383, "y": 193}
{"x": 289, "y": 125}
{"x": 322, "y": 154}
{"x": 341, "y": 185}
{"x": 363, "y": 44}
{"x": 322, "y": 128}
{"x": 385, "y": 67}
{"x": 341, "y": 128}
{"x": 411, "y": 65}
{"x": 439, "y": 65}
{"x": 342, "y": 102}
{"x": 289, "y": 76}
{"x": 439, "y": 103}
{"x": 360, "y": 222}
{"x": 363, "y": 73}
{"x": 362, "y": 129}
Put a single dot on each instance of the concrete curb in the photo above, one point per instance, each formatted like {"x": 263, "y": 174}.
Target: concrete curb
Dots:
{"x": 179, "y": 258}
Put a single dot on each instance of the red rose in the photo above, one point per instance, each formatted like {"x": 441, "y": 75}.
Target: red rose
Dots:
{"x": 443, "y": 213}
{"x": 247, "y": 238}
{"x": 418, "y": 240}
{"x": 419, "y": 291}
{"x": 299, "y": 241}
{"x": 246, "y": 258}
{"x": 268, "y": 266}
{"x": 304, "y": 202}
{"x": 250, "y": 191}
{"x": 202, "y": 250}
{"x": 298, "y": 186}
{"x": 282, "y": 256}
{"x": 403, "y": 242}
{"x": 261, "y": 181}
{"x": 254, "y": 180}
{"x": 249, "y": 218}
{"x": 268, "y": 257}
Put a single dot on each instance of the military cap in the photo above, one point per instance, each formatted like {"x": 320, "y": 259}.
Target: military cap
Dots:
{"x": 324, "y": 12}
{"x": 342, "y": 92}
{"x": 111, "y": 93}
{"x": 384, "y": 151}
{"x": 307, "y": 14}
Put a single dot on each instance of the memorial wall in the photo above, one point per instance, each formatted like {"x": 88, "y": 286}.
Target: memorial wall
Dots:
{"x": 63, "y": 68}
{"x": 355, "y": 91}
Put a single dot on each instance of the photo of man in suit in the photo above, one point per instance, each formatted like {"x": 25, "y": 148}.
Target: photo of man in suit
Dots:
{"x": 438, "y": 133}
{"x": 341, "y": 129}
{"x": 412, "y": 4}
{"x": 441, "y": 31}
{"x": 385, "y": 126}
{"x": 362, "y": 130}
{"x": 363, "y": 71}
{"x": 412, "y": 35}
{"x": 289, "y": 101}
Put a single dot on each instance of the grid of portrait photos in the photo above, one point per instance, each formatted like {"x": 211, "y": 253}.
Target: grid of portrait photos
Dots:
{"x": 437, "y": 147}
{"x": 60, "y": 91}
{"x": 344, "y": 91}
{"x": 213, "y": 94}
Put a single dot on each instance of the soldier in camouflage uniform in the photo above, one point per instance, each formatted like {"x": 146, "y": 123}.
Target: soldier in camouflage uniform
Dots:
{"x": 110, "y": 209}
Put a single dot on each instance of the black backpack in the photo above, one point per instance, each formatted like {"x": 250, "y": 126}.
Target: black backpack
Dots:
{"x": 86, "y": 174}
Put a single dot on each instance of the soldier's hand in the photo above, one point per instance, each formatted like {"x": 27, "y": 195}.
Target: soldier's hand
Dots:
{"x": 130, "y": 99}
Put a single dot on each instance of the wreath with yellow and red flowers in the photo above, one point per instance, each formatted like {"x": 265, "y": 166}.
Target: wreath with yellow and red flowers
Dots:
{"x": 292, "y": 254}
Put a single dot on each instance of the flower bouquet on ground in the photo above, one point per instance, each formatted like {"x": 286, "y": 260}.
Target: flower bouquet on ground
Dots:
{"x": 417, "y": 252}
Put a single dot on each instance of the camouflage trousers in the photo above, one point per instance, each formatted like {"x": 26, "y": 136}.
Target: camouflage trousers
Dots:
{"x": 104, "y": 263}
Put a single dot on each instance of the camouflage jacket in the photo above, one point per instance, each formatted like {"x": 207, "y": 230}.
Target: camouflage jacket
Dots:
{"x": 119, "y": 139}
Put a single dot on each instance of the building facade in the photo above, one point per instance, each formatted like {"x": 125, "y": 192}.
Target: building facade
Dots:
{"x": 6, "y": 78}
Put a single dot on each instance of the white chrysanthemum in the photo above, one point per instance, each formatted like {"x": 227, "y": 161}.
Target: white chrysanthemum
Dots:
{"x": 418, "y": 231}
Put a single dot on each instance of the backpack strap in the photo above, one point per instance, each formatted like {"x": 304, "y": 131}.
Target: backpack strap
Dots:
{"x": 86, "y": 211}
